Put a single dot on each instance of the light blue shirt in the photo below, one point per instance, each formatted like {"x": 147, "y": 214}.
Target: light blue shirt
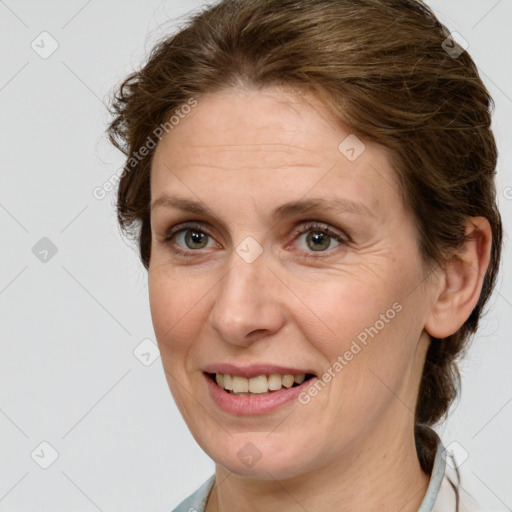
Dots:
{"x": 433, "y": 501}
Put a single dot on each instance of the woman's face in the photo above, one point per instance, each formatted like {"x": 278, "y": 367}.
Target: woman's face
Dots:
{"x": 300, "y": 259}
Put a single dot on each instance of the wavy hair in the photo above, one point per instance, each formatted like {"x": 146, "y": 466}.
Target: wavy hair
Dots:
{"x": 385, "y": 69}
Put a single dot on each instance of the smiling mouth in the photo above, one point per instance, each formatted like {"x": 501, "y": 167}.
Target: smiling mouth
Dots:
{"x": 259, "y": 385}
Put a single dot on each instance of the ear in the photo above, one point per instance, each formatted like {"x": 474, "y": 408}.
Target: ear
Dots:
{"x": 461, "y": 281}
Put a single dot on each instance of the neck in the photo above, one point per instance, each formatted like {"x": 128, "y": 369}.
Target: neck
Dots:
{"x": 379, "y": 476}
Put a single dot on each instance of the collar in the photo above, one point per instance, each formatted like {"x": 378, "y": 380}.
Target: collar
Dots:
{"x": 436, "y": 478}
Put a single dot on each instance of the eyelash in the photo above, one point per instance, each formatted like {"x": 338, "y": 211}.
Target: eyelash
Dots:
{"x": 301, "y": 229}
{"x": 320, "y": 228}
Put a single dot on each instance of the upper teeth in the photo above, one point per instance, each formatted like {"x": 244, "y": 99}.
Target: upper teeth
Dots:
{"x": 259, "y": 384}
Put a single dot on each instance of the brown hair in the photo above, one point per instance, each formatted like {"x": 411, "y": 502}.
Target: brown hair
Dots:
{"x": 382, "y": 67}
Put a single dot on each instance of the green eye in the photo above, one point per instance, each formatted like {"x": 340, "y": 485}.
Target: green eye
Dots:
{"x": 320, "y": 241}
{"x": 195, "y": 239}
{"x": 315, "y": 238}
{"x": 187, "y": 238}
{"x": 319, "y": 238}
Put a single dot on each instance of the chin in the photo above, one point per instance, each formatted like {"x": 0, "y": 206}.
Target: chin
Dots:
{"x": 254, "y": 455}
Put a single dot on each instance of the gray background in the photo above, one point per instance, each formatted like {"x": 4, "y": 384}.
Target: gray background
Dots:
{"x": 71, "y": 324}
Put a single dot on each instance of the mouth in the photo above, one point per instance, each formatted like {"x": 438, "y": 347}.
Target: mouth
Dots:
{"x": 260, "y": 385}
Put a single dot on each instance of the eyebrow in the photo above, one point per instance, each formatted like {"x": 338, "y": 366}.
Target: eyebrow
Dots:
{"x": 299, "y": 207}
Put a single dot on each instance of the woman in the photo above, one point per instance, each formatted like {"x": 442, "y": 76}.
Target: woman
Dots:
{"x": 311, "y": 184}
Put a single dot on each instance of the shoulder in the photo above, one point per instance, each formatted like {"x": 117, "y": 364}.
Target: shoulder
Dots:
{"x": 196, "y": 502}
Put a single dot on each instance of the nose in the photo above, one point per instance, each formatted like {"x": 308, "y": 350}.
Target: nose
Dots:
{"x": 248, "y": 304}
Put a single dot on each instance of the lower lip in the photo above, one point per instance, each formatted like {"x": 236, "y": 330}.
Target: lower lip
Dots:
{"x": 254, "y": 405}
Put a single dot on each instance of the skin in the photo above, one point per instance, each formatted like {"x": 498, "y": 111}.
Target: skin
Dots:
{"x": 243, "y": 153}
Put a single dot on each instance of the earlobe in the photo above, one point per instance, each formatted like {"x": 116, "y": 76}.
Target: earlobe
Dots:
{"x": 462, "y": 280}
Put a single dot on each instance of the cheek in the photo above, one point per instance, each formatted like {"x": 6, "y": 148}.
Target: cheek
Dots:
{"x": 341, "y": 310}
{"x": 364, "y": 332}
{"x": 175, "y": 311}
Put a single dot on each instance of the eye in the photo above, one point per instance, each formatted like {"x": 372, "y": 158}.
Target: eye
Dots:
{"x": 315, "y": 237}
{"x": 189, "y": 237}
{"x": 319, "y": 237}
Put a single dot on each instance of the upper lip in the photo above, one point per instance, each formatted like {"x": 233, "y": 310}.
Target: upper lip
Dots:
{"x": 253, "y": 370}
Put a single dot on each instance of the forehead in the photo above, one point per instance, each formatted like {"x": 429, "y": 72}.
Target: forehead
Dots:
{"x": 272, "y": 122}
{"x": 289, "y": 137}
